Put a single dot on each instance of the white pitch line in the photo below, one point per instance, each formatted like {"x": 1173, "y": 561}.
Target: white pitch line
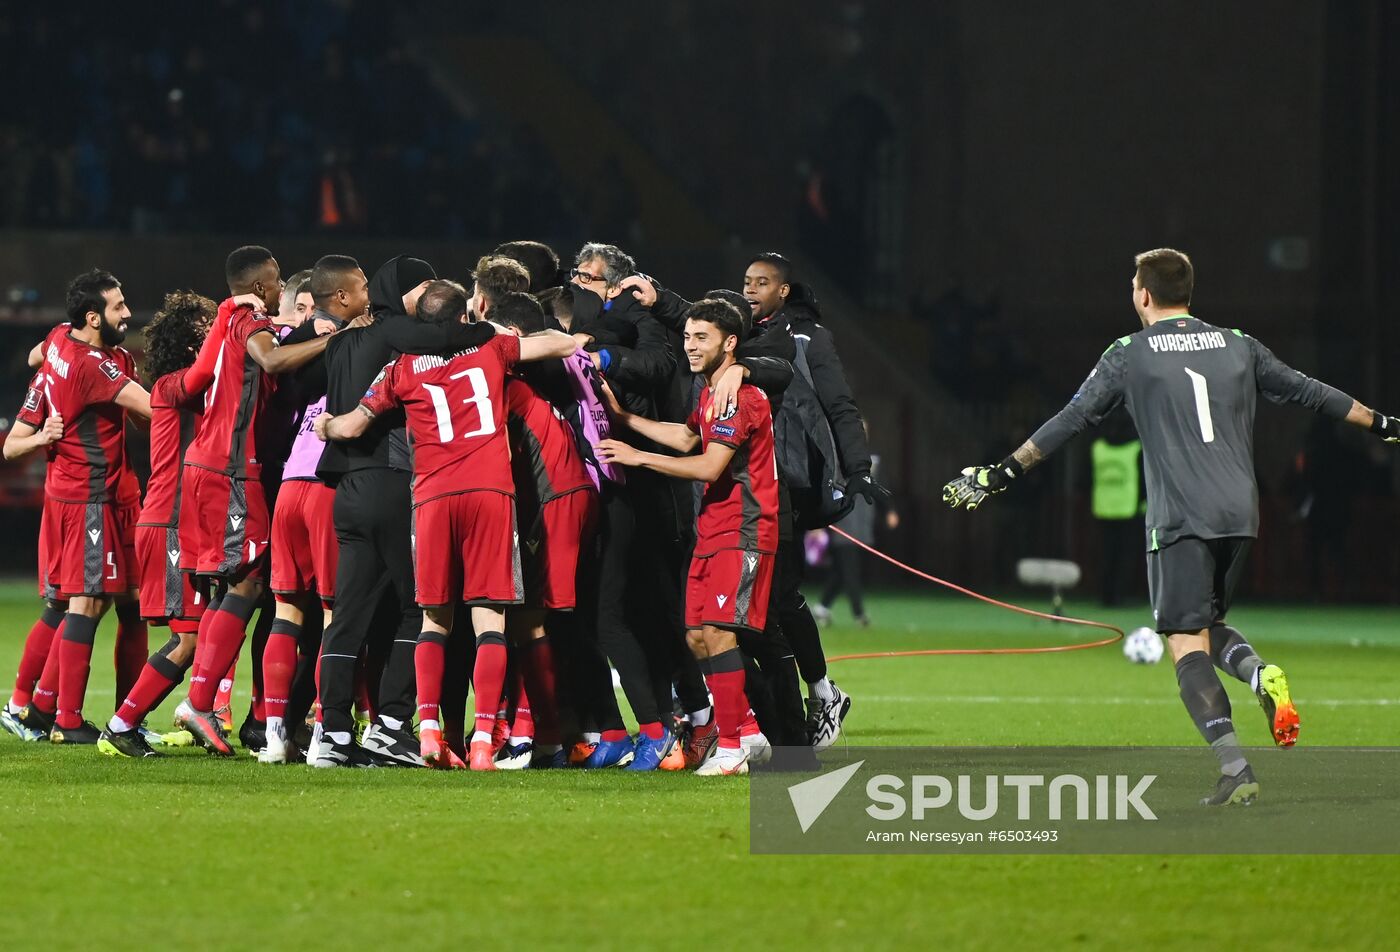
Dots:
{"x": 997, "y": 699}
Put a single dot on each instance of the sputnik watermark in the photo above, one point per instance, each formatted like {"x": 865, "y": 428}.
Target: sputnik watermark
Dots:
{"x": 1094, "y": 800}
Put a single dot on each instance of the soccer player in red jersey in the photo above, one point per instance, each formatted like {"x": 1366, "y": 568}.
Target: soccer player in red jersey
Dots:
{"x": 86, "y": 385}
{"x": 557, "y": 508}
{"x": 464, "y": 538}
{"x": 224, "y": 519}
{"x": 736, "y": 531}
{"x": 168, "y": 597}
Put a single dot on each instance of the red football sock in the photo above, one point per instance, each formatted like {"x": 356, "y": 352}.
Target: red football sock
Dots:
{"x": 613, "y": 735}
{"x": 75, "y": 662}
{"x": 652, "y": 730}
{"x": 489, "y": 677}
{"x": 158, "y": 679}
{"x": 427, "y": 668}
{"x": 46, "y": 690}
{"x": 726, "y": 683}
{"x": 36, "y": 655}
{"x": 537, "y": 669}
{"x": 201, "y": 647}
{"x": 223, "y": 696}
{"x": 224, "y": 632}
{"x": 133, "y": 645}
{"x": 523, "y": 723}
{"x": 279, "y": 666}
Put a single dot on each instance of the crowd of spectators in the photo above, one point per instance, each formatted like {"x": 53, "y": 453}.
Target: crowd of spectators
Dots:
{"x": 299, "y": 117}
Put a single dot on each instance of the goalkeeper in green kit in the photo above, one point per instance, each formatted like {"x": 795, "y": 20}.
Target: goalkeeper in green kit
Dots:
{"x": 1191, "y": 389}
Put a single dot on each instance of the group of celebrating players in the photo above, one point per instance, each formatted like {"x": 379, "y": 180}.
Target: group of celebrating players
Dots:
{"x": 607, "y": 475}
{"x": 584, "y": 459}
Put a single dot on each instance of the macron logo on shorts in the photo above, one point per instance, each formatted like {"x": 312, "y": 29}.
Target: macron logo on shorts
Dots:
{"x": 750, "y": 561}
{"x": 236, "y": 521}
{"x": 94, "y": 534}
{"x": 174, "y": 555}
{"x": 721, "y": 599}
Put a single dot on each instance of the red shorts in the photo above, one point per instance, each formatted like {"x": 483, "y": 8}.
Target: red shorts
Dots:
{"x": 167, "y": 591}
{"x": 564, "y": 527}
{"x": 82, "y": 551}
{"x": 304, "y": 547}
{"x": 224, "y": 526}
{"x": 729, "y": 589}
{"x": 465, "y": 549}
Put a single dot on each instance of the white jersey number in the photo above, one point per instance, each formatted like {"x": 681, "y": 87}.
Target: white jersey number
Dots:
{"x": 480, "y": 398}
{"x": 1198, "y": 384}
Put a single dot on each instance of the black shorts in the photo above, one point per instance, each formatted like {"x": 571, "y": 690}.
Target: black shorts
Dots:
{"x": 1192, "y": 581}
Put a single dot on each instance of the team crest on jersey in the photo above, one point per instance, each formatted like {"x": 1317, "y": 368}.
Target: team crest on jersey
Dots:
{"x": 110, "y": 368}
{"x": 374, "y": 384}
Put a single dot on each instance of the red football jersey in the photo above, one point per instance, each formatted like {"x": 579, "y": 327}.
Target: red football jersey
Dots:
{"x": 456, "y": 412}
{"x": 544, "y": 454}
{"x": 740, "y": 509}
{"x": 174, "y": 421}
{"x": 80, "y": 382}
{"x": 232, "y": 429}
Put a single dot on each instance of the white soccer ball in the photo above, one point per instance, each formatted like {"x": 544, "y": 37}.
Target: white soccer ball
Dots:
{"x": 1143, "y": 646}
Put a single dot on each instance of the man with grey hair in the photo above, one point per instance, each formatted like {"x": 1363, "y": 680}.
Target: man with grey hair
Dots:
{"x": 632, "y": 353}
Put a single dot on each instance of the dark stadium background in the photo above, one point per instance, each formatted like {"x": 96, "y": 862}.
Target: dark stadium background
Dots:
{"x": 968, "y": 223}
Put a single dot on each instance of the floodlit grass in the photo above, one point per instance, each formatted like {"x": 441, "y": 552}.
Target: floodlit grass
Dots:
{"x": 190, "y": 852}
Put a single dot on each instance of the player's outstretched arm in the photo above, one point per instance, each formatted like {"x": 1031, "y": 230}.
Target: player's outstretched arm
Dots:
{"x": 280, "y": 360}
{"x": 676, "y": 436}
{"x": 1386, "y": 427}
{"x": 547, "y": 345}
{"x": 134, "y": 399}
{"x": 24, "y": 438}
{"x": 345, "y": 426}
{"x": 705, "y": 467}
{"x": 976, "y": 483}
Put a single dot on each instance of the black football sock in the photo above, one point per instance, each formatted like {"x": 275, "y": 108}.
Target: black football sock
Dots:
{"x": 1209, "y": 706}
{"x": 1235, "y": 656}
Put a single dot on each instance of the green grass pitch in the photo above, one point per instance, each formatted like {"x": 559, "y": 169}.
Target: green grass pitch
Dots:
{"x": 196, "y": 853}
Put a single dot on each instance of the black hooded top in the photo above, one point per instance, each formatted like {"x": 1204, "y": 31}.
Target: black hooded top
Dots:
{"x": 355, "y": 357}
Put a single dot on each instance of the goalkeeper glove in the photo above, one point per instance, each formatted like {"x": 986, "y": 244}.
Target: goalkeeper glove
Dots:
{"x": 1386, "y": 427}
{"x": 863, "y": 485}
{"x": 978, "y": 482}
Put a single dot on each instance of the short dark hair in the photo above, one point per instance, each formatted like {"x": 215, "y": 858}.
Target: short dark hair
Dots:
{"x": 85, "y": 294}
{"x": 177, "y": 330}
{"x": 518, "y": 310}
{"x": 538, "y": 258}
{"x": 328, "y": 275}
{"x": 496, "y": 275}
{"x": 617, "y": 264}
{"x": 783, "y": 265}
{"x": 1167, "y": 275}
{"x": 242, "y": 262}
{"x": 741, "y": 304}
{"x": 722, "y": 314}
{"x": 442, "y": 302}
{"x": 558, "y": 302}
